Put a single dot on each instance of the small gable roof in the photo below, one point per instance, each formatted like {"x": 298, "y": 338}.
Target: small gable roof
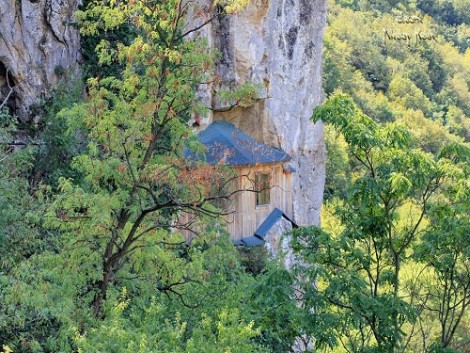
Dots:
{"x": 231, "y": 146}
{"x": 252, "y": 241}
{"x": 268, "y": 223}
{"x": 260, "y": 234}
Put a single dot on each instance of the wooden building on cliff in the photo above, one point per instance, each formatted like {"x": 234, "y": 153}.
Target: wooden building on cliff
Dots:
{"x": 262, "y": 210}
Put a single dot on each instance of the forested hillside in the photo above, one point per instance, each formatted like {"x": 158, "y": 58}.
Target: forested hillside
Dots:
{"x": 404, "y": 61}
{"x": 392, "y": 260}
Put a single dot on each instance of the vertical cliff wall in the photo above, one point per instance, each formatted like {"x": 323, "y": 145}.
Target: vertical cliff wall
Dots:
{"x": 38, "y": 45}
{"x": 277, "y": 44}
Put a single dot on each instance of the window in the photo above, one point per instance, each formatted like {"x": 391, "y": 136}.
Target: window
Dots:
{"x": 262, "y": 188}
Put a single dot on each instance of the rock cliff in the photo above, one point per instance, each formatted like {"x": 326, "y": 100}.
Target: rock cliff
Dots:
{"x": 277, "y": 44}
{"x": 38, "y": 45}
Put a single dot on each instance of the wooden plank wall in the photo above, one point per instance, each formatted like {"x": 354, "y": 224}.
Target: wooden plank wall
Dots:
{"x": 246, "y": 216}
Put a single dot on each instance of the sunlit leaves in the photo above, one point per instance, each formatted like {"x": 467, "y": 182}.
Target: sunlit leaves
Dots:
{"x": 391, "y": 202}
{"x": 233, "y": 6}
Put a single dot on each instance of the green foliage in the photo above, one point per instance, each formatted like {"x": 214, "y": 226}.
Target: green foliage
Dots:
{"x": 405, "y": 92}
{"x": 134, "y": 177}
{"x": 353, "y": 273}
{"x": 94, "y": 262}
{"x": 338, "y": 172}
{"x": 140, "y": 334}
{"x": 254, "y": 259}
{"x": 21, "y": 238}
{"x": 387, "y": 77}
{"x": 278, "y": 313}
{"x": 422, "y": 87}
{"x": 451, "y": 12}
{"x": 206, "y": 319}
{"x": 445, "y": 249}
{"x": 18, "y": 218}
{"x": 57, "y": 148}
{"x": 457, "y": 122}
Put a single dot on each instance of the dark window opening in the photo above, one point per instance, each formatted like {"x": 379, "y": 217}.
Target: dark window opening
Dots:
{"x": 263, "y": 189}
{"x": 7, "y": 92}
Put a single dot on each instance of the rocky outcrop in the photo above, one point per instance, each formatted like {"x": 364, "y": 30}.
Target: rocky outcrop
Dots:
{"x": 273, "y": 237}
{"x": 38, "y": 46}
{"x": 277, "y": 45}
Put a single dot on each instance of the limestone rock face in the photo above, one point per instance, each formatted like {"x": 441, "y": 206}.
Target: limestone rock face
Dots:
{"x": 38, "y": 46}
{"x": 274, "y": 236}
{"x": 277, "y": 45}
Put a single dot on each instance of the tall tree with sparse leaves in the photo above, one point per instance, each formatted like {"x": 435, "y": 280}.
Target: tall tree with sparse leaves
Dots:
{"x": 117, "y": 252}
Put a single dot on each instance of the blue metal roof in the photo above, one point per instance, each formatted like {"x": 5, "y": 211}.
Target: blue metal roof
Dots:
{"x": 267, "y": 224}
{"x": 231, "y": 146}
{"x": 263, "y": 229}
{"x": 238, "y": 243}
{"x": 289, "y": 168}
{"x": 252, "y": 241}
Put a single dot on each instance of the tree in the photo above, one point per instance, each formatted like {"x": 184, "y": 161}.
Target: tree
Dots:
{"x": 337, "y": 165}
{"x": 116, "y": 212}
{"x": 354, "y": 275}
{"x": 134, "y": 177}
{"x": 444, "y": 250}
{"x": 405, "y": 92}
